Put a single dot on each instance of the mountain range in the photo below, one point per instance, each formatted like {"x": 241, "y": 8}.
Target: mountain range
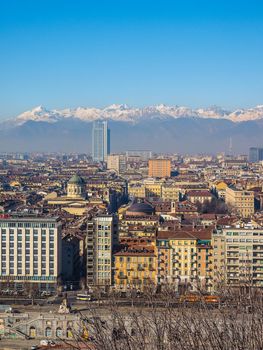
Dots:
{"x": 160, "y": 128}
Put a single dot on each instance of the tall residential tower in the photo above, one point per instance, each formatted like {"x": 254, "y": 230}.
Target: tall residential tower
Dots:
{"x": 100, "y": 141}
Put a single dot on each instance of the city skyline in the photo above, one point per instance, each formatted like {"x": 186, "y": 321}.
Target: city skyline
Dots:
{"x": 140, "y": 53}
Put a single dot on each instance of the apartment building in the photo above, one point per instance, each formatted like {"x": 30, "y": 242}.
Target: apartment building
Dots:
{"x": 30, "y": 251}
{"x": 238, "y": 255}
{"x": 102, "y": 235}
{"x": 155, "y": 189}
{"x": 185, "y": 259}
{"x": 137, "y": 191}
{"x": 242, "y": 201}
{"x": 117, "y": 162}
{"x": 170, "y": 193}
{"x": 159, "y": 168}
{"x": 136, "y": 264}
{"x": 197, "y": 196}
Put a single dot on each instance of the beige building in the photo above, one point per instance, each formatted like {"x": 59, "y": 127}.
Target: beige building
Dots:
{"x": 30, "y": 251}
{"x": 242, "y": 201}
{"x": 197, "y": 196}
{"x": 75, "y": 201}
{"x": 159, "y": 168}
{"x": 170, "y": 193}
{"x": 190, "y": 260}
{"x": 154, "y": 189}
{"x": 76, "y": 187}
{"x": 137, "y": 191}
{"x": 238, "y": 256}
{"x": 116, "y": 162}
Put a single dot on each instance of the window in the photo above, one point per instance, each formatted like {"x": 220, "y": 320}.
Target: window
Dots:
{"x": 48, "y": 332}
{"x": 32, "y": 332}
{"x": 59, "y": 332}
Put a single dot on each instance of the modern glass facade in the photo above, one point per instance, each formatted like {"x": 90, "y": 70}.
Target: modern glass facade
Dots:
{"x": 255, "y": 154}
{"x": 100, "y": 141}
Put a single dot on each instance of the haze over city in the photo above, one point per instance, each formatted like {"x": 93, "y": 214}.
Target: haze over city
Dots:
{"x": 131, "y": 175}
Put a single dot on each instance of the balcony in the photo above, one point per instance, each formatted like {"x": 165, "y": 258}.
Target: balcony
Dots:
{"x": 122, "y": 277}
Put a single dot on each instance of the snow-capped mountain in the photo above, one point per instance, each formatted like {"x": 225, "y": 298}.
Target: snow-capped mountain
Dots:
{"x": 160, "y": 128}
{"x": 124, "y": 113}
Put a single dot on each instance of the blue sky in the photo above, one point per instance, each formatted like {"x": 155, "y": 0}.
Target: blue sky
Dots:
{"x": 66, "y": 53}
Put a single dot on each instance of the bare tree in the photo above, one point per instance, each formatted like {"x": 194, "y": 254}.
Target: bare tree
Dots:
{"x": 197, "y": 326}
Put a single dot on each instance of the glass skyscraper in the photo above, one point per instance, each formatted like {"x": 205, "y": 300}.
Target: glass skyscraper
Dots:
{"x": 255, "y": 154}
{"x": 100, "y": 141}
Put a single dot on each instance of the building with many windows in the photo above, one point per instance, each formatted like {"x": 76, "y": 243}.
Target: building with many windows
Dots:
{"x": 117, "y": 162}
{"x": 159, "y": 168}
{"x": 136, "y": 264}
{"x": 100, "y": 141}
{"x": 102, "y": 235}
{"x": 255, "y": 154}
{"x": 185, "y": 259}
{"x": 30, "y": 251}
{"x": 241, "y": 201}
{"x": 238, "y": 256}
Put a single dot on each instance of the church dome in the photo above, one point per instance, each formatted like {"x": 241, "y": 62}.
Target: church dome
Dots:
{"x": 76, "y": 180}
{"x": 140, "y": 209}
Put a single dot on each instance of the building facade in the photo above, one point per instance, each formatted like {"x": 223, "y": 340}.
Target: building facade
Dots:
{"x": 117, "y": 162}
{"x": 100, "y": 141}
{"x": 238, "y": 256}
{"x": 136, "y": 264}
{"x": 255, "y": 154}
{"x": 30, "y": 251}
{"x": 102, "y": 235}
{"x": 159, "y": 168}
{"x": 241, "y": 201}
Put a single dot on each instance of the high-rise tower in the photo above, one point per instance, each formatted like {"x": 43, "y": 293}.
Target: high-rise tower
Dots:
{"x": 100, "y": 141}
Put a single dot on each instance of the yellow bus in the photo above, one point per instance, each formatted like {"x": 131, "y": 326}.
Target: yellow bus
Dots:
{"x": 84, "y": 297}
